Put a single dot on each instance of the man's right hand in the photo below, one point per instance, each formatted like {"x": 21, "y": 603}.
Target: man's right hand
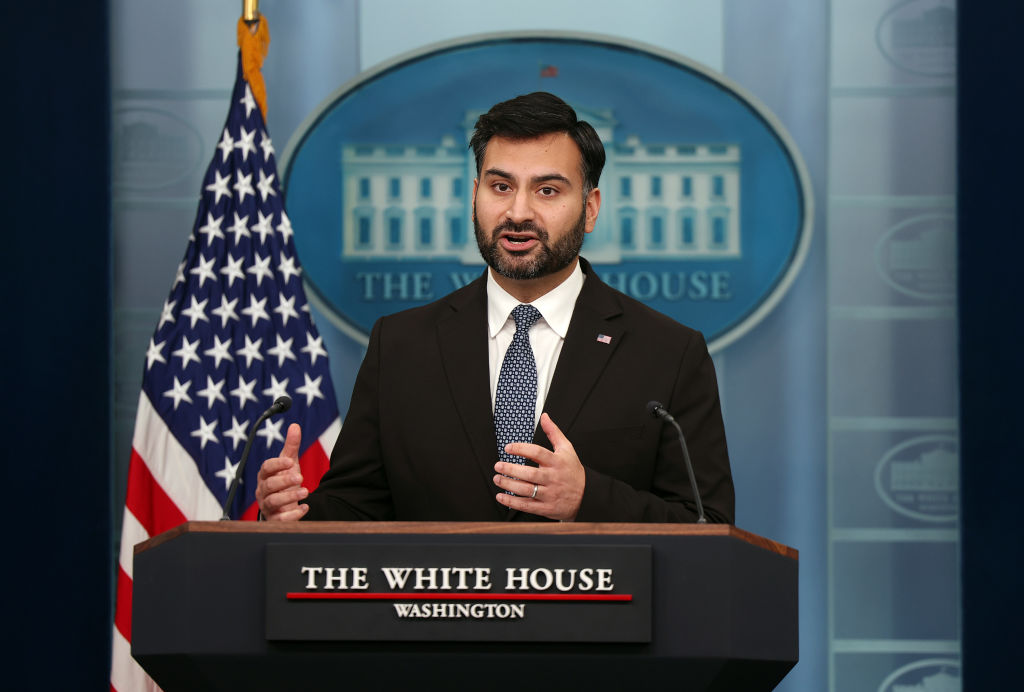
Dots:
{"x": 279, "y": 483}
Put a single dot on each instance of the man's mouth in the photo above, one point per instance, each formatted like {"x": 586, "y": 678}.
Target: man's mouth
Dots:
{"x": 517, "y": 242}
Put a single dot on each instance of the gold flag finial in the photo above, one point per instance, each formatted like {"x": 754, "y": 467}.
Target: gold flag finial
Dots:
{"x": 251, "y": 11}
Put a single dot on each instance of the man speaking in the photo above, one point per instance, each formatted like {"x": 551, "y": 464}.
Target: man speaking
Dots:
{"x": 521, "y": 396}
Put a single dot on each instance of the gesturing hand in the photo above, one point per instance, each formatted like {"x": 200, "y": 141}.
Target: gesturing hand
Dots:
{"x": 279, "y": 483}
{"x": 554, "y": 489}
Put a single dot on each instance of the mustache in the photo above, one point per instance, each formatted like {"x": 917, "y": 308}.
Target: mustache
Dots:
{"x": 510, "y": 226}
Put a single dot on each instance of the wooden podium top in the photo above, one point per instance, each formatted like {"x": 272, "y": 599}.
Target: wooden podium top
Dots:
{"x": 468, "y": 527}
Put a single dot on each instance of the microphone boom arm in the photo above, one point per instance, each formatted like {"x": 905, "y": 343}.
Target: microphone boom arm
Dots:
{"x": 658, "y": 411}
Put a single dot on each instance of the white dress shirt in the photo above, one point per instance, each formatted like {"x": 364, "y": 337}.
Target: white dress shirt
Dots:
{"x": 546, "y": 336}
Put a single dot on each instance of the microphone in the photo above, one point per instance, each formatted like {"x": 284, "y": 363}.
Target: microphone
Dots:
{"x": 282, "y": 404}
{"x": 658, "y": 411}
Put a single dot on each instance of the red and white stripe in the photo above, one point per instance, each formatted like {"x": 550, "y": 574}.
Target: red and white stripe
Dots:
{"x": 165, "y": 489}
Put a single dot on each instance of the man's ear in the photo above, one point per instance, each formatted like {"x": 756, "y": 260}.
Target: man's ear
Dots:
{"x": 592, "y": 205}
{"x": 472, "y": 207}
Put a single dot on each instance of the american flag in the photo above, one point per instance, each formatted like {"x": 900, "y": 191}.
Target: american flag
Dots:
{"x": 235, "y": 334}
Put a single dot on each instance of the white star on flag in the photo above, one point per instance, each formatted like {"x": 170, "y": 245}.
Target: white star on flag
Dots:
{"x": 227, "y": 144}
{"x": 179, "y": 276}
{"x": 256, "y": 311}
{"x": 205, "y": 432}
{"x": 154, "y": 353}
{"x": 211, "y": 228}
{"x": 187, "y": 351}
{"x": 240, "y": 228}
{"x": 219, "y": 187}
{"x": 263, "y": 226}
{"x": 243, "y": 186}
{"x": 287, "y": 268}
{"x": 271, "y": 432}
{"x": 282, "y": 350}
{"x": 168, "y": 313}
{"x": 205, "y": 270}
{"x": 212, "y": 392}
{"x": 314, "y": 347}
{"x": 219, "y": 351}
{"x": 232, "y": 269}
{"x": 248, "y": 101}
{"x": 285, "y": 228}
{"x": 311, "y": 389}
{"x": 261, "y": 269}
{"x": 244, "y": 391}
{"x": 277, "y": 388}
{"x": 196, "y": 311}
{"x": 237, "y": 432}
{"x": 246, "y": 142}
{"x": 179, "y": 392}
{"x": 228, "y": 472}
{"x": 286, "y": 309}
{"x": 266, "y": 145}
{"x": 265, "y": 185}
{"x": 251, "y": 351}
{"x": 226, "y": 310}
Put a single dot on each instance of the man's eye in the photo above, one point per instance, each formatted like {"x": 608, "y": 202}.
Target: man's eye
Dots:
{"x": 548, "y": 191}
{"x": 502, "y": 187}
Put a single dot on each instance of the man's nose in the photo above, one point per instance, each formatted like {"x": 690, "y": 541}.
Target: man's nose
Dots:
{"x": 520, "y": 208}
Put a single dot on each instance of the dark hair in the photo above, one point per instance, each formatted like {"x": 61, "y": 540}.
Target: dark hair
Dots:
{"x": 536, "y": 114}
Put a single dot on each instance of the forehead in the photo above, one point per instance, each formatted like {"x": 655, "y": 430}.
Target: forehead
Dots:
{"x": 554, "y": 153}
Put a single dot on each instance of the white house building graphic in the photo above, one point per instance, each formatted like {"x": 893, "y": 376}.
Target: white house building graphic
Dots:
{"x": 659, "y": 200}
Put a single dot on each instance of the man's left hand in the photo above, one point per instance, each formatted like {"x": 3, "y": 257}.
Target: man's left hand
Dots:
{"x": 554, "y": 489}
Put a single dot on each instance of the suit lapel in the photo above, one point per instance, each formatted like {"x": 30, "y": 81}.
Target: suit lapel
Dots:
{"x": 462, "y": 339}
{"x": 593, "y": 336}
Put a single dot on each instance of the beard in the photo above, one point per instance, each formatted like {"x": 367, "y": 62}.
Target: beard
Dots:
{"x": 521, "y": 265}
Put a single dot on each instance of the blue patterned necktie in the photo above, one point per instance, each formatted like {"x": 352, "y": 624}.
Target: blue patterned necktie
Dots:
{"x": 516, "y": 398}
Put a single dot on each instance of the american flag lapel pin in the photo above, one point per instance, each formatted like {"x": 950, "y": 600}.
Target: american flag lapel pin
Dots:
{"x": 604, "y": 338}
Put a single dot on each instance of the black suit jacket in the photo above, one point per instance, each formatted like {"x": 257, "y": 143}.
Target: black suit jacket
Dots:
{"x": 418, "y": 442}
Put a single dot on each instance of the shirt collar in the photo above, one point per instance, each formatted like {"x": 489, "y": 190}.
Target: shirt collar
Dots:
{"x": 555, "y": 306}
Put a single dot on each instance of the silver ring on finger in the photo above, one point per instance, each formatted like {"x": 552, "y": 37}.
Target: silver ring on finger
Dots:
{"x": 534, "y": 495}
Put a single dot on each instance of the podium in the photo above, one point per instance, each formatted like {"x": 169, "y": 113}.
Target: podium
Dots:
{"x": 722, "y": 611}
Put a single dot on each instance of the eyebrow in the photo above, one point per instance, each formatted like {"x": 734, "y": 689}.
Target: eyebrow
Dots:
{"x": 498, "y": 173}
